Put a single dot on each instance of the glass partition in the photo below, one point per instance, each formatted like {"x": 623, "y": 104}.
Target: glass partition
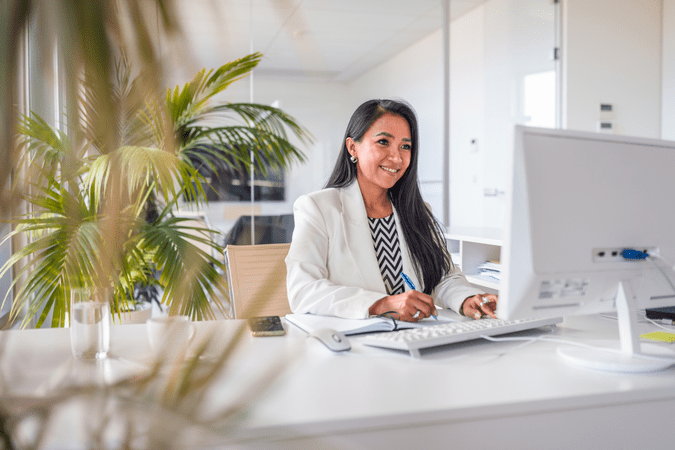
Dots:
{"x": 502, "y": 72}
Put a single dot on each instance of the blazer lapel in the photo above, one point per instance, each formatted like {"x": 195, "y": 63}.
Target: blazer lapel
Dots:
{"x": 358, "y": 239}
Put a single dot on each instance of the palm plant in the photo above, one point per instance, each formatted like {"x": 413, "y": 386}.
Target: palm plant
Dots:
{"x": 102, "y": 211}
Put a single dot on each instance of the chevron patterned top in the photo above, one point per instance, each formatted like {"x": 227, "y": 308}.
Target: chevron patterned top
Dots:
{"x": 388, "y": 250}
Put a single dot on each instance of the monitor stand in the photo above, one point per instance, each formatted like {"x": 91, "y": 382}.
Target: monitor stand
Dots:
{"x": 631, "y": 356}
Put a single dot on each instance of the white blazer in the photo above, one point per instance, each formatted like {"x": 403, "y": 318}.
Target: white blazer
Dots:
{"x": 332, "y": 267}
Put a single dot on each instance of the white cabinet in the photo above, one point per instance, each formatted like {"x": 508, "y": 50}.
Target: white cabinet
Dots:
{"x": 471, "y": 247}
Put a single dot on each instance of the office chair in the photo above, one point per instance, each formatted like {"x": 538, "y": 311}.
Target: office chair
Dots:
{"x": 257, "y": 279}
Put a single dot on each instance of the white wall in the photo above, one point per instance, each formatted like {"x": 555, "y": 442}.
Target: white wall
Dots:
{"x": 416, "y": 76}
{"x": 668, "y": 77}
{"x": 612, "y": 53}
{"x": 467, "y": 119}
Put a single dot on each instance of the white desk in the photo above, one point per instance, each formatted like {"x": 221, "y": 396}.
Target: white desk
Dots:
{"x": 477, "y": 395}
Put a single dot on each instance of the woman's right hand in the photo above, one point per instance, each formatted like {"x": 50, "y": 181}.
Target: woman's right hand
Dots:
{"x": 406, "y": 305}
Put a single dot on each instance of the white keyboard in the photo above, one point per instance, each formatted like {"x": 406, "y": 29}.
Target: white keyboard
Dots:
{"x": 415, "y": 339}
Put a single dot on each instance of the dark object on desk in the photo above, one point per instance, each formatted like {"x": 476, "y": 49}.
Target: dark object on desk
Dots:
{"x": 268, "y": 230}
{"x": 667, "y": 312}
{"x": 333, "y": 340}
{"x": 266, "y": 326}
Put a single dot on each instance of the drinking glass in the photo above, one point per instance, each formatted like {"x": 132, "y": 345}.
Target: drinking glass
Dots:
{"x": 89, "y": 324}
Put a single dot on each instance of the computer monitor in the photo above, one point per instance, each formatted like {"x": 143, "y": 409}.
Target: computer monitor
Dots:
{"x": 576, "y": 200}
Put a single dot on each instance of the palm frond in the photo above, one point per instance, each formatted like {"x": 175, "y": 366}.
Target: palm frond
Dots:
{"x": 67, "y": 255}
{"x": 42, "y": 147}
{"x": 192, "y": 278}
{"x": 268, "y": 118}
{"x": 232, "y": 145}
{"x": 138, "y": 170}
{"x": 187, "y": 103}
{"x": 129, "y": 101}
{"x": 252, "y": 127}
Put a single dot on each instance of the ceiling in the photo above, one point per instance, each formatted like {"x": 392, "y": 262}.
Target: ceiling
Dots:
{"x": 332, "y": 40}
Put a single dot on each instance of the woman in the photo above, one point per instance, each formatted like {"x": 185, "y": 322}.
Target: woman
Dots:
{"x": 354, "y": 239}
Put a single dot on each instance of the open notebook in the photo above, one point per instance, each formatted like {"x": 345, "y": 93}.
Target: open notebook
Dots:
{"x": 312, "y": 322}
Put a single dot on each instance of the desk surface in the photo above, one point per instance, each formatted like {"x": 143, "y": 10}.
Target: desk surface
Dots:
{"x": 475, "y": 394}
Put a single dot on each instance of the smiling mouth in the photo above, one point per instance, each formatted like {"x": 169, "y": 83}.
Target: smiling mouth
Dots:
{"x": 389, "y": 170}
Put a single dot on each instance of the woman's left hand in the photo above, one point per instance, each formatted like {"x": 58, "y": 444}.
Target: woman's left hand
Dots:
{"x": 481, "y": 304}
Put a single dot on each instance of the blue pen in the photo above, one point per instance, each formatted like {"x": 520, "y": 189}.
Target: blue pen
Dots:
{"x": 411, "y": 285}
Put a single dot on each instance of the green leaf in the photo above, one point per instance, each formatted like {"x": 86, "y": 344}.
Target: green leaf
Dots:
{"x": 192, "y": 277}
{"x": 184, "y": 104}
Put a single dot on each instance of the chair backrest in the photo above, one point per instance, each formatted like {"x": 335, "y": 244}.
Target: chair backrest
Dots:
{"x": 257, "y": 278}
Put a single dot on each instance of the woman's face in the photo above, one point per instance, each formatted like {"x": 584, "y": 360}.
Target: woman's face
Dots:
{"x": 383, "y": 153}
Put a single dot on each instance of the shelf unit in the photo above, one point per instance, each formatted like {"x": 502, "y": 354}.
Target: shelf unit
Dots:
{"x": 471, "y": 247}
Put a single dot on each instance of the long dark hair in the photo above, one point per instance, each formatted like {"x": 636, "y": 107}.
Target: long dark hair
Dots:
{"x": 422, "y": 232}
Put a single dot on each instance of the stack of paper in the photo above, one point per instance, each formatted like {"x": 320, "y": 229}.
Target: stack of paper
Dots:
{"x": 491, "y": 270}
